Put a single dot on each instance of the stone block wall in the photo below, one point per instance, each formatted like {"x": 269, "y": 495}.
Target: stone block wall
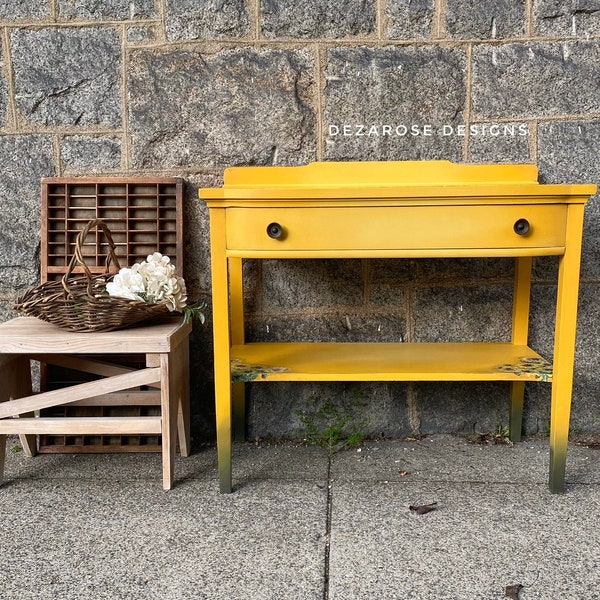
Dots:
{"x": 190, "y": 87}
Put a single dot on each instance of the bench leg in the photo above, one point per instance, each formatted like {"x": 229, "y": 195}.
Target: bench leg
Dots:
{"x": 29, "y": 441}
{"x": 169, "y": 395}
{"x": 182, "y": 378}
{"x": 23, "y": 388}
{"x": 2, "y": 456}
{"x": 15, "y": 374}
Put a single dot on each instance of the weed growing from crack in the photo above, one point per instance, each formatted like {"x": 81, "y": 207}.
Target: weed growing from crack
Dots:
{"x": 331, "y": 427}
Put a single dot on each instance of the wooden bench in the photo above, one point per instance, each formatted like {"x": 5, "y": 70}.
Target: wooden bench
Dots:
{"x": 163, "y": 382}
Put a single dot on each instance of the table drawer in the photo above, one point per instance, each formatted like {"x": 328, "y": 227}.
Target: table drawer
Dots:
{"x": 390, "y": 228}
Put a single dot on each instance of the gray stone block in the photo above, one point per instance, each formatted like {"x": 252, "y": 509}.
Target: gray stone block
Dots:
{"x": 23, "y": 9}
{"x": 346, "y": 326}
{"x": 118, "y": 10}
{"x": 536, "y": 409}
{"x": 391, "y": 271}
{"x": 375, "y": 409}
{"x": 588, "y": 333}
{"x": 463, "y": 314}
{"x": 462, "y": 407}
{"x": 587, "y": 358}
{"x": 585, "y": 418}
{"x": 409, "y": 19}
{"x": 569, "y": 152}
{"x": 573, "y": 17}
{"x": 252, "y": 269}
{"x": 201, "y": 19}
{"x": 317, "y": 18}
{"x": 6, "y": 311}
{"x": 67, "y": 76}
{"x": 500, "y": 143}
{"x": 545, "y": 268}
{"x": 233, "y": 107}
{"x": 197, "y": 272}
{"x": 25, "y": 160}
{"x": 542, "y": 318}
{"x": 430, "y": 271}
{"x": 590, "y": 252}
{"x": 535, "y": 79}
{"x": 92, "y": 153}
{"x": 294, "y": 284}
{"x": 202, "y": 389}
{"x": 485, "y": 19}
{"x": 391, "y": 103}
{"x": 387, "y": 295}
{"x": 140, "y": 34}
{"x": 446, "y": 270}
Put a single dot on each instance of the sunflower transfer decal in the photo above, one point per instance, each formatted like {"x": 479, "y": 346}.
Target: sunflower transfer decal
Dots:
{"x": 529, "y": 365}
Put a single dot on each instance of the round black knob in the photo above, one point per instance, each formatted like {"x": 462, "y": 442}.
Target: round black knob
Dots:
{"x": 274, "y": 230}
{"x": 522, "y": 227}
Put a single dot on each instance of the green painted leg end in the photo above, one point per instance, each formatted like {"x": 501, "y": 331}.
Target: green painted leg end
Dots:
{"x": 225, "y": 486}
{"x": 516, "y": 436}
{"x": 558, "y": 460}
{"x": 225, "y": 461}
{"x": 515, "y": 426}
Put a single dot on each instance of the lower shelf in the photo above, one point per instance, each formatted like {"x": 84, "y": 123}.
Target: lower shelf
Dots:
{"x": 465, "y": 361}
{"x": 118, "y": 404}
{"x": 52, "y": 444}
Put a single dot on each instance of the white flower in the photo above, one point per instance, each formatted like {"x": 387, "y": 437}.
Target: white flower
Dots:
{"x": 174, "y": 293}
{"x": 153, "y": 280}
{"x": 126, "y": 284}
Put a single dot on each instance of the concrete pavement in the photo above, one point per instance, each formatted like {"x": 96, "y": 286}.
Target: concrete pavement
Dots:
{"x": 302, "y": 525}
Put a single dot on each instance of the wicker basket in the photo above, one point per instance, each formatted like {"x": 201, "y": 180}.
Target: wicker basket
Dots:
{"x": 81, "y": 303}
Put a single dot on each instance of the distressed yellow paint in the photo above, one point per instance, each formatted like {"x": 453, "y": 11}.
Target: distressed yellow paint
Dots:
{"x": 348, "y": 361}
{"x": 407, "y": 209}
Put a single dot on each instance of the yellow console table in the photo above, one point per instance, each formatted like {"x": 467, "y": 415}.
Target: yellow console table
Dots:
{"x": 395, "y": 210}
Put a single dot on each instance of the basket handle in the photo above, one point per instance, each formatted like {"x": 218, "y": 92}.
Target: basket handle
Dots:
{"x": 78, "y": 260}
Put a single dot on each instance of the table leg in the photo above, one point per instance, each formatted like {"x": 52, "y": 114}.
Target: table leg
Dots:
{"x": 564, "y": 348}
{"x": 520, "y": 334}
{"x": 517, "y": 395}
{"x": 236, "y": 299}
{"x": 222, "y": 354}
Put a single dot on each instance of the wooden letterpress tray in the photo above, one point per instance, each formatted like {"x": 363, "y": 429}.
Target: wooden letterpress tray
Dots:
{"x": 144, "y": 216}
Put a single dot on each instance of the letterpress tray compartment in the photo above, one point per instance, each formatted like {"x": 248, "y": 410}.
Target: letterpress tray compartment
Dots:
{"x": 144, "y": 216}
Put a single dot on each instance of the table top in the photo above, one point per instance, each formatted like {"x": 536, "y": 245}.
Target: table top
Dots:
{"x": 379, "y": 180}
{"x": 28, "y": 335}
